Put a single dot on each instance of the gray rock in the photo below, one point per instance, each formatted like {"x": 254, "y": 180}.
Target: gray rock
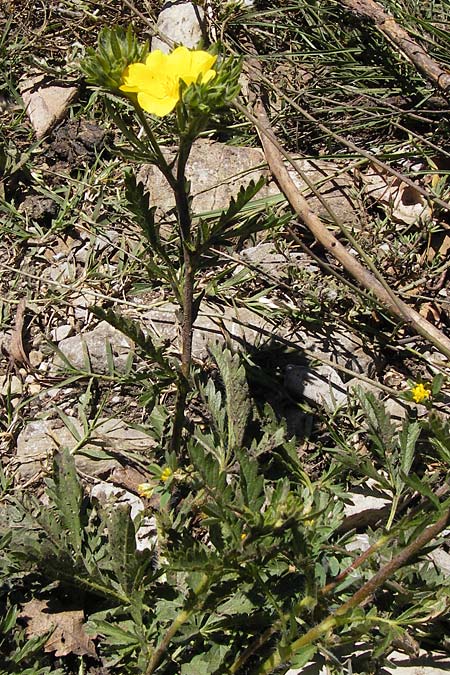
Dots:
{"x": 45, "y": 105}
{"x": 240, "y": 328}
{"x": 62, "y": 332}
{"x": 364, "y": 507}
{"x": 181, "y": 22}
{"x": 217, "y": 171}
{"x": 38, "y": 441}
{"x": 268, "y": 260}
{"x": 10, "y": 385}
{"x": 320, "y": 385}
{"x": 91, "y": 348}
{"x": 441, "y": 559}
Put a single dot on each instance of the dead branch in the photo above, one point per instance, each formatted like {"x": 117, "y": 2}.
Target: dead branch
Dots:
{"x": 387, "y": 25}
{"x": 274, "y": 156}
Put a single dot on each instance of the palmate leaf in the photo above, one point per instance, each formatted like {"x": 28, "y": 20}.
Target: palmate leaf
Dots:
{"x": 67, "y": 496}
{"x": 237, "y": 393}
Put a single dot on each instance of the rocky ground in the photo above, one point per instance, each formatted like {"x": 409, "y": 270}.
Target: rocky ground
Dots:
{"x": 67, "y": 379}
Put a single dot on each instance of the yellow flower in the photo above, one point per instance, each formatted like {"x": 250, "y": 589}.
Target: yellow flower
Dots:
{"x": 166, "y": 474}
{"x": 145, "y": 490}
{"x": 157, "y": 81}
{"x": 420, "y": 393}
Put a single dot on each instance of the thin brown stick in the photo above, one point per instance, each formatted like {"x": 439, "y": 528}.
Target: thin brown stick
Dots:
{"x": 382, "y": 292}
{"x": 387, "y": 25}
{"x": 358, "y": 598}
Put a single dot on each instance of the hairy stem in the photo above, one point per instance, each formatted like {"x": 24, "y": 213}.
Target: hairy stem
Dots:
{"x": 185, "y": 225}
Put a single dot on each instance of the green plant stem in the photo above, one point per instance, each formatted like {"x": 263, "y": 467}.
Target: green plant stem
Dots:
{"x": 182, "y": 617}
{"x": 332, "y": 620}
{"x": 162, "y": 162}
{"x": 185, "y": 225}
{"x": 324, "y": 591}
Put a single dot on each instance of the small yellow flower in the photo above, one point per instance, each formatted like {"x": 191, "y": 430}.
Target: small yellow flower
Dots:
{"x": 244, "y": 536}
{"x": 145, "y": 490}
{"x": 166, "y": 474}
{"x": 420, "y": 393}
{"x": 157, "y": 81}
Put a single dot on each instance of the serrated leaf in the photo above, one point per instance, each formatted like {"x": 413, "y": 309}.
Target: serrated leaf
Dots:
{"x": 407, "y": 441}
{"x": 207, "y": 663}
{"x": 237, "y": 393}
{"x": 138, "y": 204}
{"x": 68, "y": 495}
{"x": 414, "y": 482}
{"x": 133, "y": 331}
{"x": 303, "y": 656}
{"x": 252, "y": 484}
{"x": 383, "y": 432}
{"x": 117, "y": 635}
{"x": 122, "y": 546}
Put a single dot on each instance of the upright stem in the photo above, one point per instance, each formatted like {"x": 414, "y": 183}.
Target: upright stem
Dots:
{"x": 185, "y": 223}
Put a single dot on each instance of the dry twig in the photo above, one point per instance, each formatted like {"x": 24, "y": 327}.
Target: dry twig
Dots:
{"x": 384, "y": 294}
{"x": 387, "y": 25}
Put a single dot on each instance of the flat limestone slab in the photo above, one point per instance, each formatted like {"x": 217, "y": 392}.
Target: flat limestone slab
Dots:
{"x": 217, "y": 171}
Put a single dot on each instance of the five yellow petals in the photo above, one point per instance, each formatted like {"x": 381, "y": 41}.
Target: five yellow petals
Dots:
{"x": 157, "y": 81}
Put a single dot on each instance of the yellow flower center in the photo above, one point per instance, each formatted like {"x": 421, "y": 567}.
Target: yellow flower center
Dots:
{"x": 166, "y": 474}
{"x": 420, "y": 393}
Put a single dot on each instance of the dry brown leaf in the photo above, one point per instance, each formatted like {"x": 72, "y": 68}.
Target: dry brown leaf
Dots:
{"x": 68, "y": 635}
{"x": 403, "y": 203}
{"x": 439, "y": 245}
{"x": 16, "y": 348}
{"x": 431, "y": 312}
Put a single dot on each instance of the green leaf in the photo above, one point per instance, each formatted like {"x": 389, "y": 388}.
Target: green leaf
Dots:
{"x": 116, "y": 635}
{"x": 252, "y": 485}
{"x": 422, "y": 488}
{"x": 138, "y": 204}
{"x": 133, "y": 331}
{"x": 440, "y": 437}
{"x": 407, "y": 440}
{"x": 116, "y": 49}
{"x": 67, "y": 495}
{"x": 207, "y": 663}
{"x": 122, "y": 546}
{"x": 237, "y": 402}
{"x": 303, "y": 656}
